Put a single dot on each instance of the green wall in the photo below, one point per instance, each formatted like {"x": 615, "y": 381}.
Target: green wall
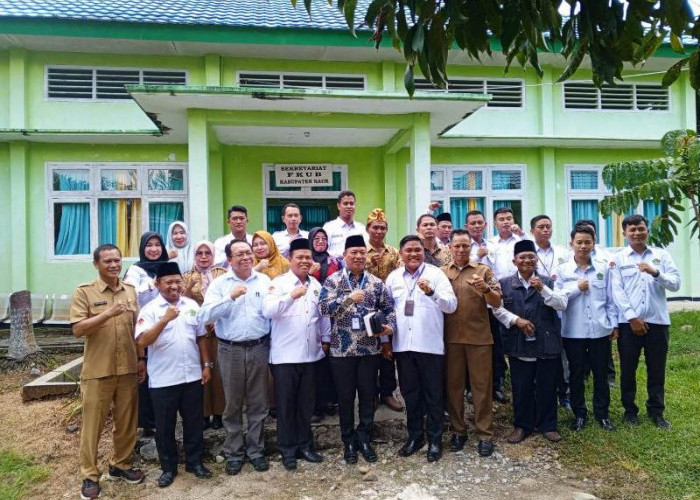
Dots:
{"x": 4, "y": 89}
{"x": 5, "y": 222}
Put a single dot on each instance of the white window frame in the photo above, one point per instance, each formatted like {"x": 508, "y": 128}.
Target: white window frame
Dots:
{"x": 298, "y": 73}
{"x": 94, "y": 69}
{"x": 304, "y": 192}
{"x": 598, "y": 109}
{"x": 488, "y": 193}
{"x": 94, "y": 194}
{"x": 484, "y": 88}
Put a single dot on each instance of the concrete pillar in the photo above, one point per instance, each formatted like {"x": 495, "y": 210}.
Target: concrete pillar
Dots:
{"x": 418, "y": 175}
{"x": 546, "y": 108}
{"x": 550, "y": 192}
{"x": 388, "y": 76}
{"x": 17, "y": 86}
{"x": 198, "y": 174}
{"x": 19, "y": 210}
{"x": 212, "y": 70}
{"x": 391, "y": 202}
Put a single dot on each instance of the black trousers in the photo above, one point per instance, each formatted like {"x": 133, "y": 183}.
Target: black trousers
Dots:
{"x": 387, "y": 377}
{"x": 421, "y": 378}
{"x": 498, "y": 357}
{"x": 325, "y": 388}
{"x": 147, "y": 419}
{"x": 534, "y": 393}
{"x": 593, "y": 353}
{"x": 167, "y": 402}
{"x": 655, "y": 347}
{"x": 563, "y": 378}
{"x": 295, "y": 392}
{"x": 355, "y": 375}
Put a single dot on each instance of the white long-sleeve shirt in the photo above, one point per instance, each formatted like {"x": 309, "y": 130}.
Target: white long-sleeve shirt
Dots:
{"x": 555, "y": 299}
{"x": 548, "y": 260}
{"x": 638, "y": 294}
{"x": 338, "y": 231}
{"x": 424, "y": 331}
{"x": 240, "y": 319}
{"x": 283, "y": 239}
{"x": 591, "y": 314}
{"x": 220, "y": 259}
{"x": 297, "y": 325}
{"x": 145, "y": 286}
{"x": 501, "y": 254}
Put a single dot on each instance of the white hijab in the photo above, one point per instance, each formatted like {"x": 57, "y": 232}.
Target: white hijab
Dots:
{"x": 185, "y": 254}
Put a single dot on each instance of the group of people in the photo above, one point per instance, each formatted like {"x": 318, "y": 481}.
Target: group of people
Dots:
{"x": 307, "y": 322}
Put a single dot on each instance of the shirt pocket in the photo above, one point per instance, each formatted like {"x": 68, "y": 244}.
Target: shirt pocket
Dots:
{"x": 598, "y": 289}
{"x": 629, "y": 272}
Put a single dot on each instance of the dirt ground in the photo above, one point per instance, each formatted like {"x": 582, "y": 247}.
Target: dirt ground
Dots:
{"x": 530, "y": 470}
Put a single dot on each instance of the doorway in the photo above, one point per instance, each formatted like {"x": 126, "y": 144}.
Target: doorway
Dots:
{"x": 314, "y": 212}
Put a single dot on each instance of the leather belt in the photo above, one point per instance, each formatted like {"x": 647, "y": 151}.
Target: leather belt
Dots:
{"x": 265, "y": 339}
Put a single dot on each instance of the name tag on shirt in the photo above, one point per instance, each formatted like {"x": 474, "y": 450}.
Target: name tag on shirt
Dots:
{"x": 408, "y": 307}
{"x": 356, "y": 323}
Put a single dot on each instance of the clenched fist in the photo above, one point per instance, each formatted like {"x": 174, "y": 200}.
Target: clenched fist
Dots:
{"x": 237, "y": 291}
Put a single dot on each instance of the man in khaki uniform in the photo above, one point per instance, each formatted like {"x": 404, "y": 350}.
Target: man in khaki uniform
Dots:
{"x": 468, "y": 343}
{"x": 104, "y": 312}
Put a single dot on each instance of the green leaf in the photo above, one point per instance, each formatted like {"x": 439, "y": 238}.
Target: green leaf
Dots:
{"x": 694, "y": 68}
{"x": 674, "y": 72}
{"x": 418, "y": 37}
{"x": 372, "y": 11}
{"x": 575, "y": 62}
{"x": 349, "y": 7}
{"x": 408, "y": 81}
{"x": 677, "y": 44}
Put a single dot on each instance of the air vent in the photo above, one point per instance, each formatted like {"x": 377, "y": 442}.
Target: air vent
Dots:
{"x": 623, "y": 97}
{"x": 65, "y": 82}
{"x": 301, "y": 81}
{"x": 504, "y": 93}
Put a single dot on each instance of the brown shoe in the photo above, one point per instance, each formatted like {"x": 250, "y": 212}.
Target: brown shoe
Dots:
{"x": 392, "y": 403}
{"x": 552, "y": 436}
{"x": 518, "y": 435}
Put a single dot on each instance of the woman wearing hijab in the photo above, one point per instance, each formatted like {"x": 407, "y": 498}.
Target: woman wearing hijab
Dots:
{"x": 268, "y": 259}
{"x": 195, "y": 283}
{"x": 142, "y": 276}
{"x": 324, "y": 265}
{"x": 180, "y": 248}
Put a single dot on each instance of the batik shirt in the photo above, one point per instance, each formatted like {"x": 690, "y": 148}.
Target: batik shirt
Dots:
{"x": 334, "y": 303}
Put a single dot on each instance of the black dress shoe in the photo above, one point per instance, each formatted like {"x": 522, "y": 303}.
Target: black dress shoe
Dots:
{"x": 216, "y": 422}
{"x": 457, "y": 442}
{"x": 661, "y": 422}
{"x": 606, "y": 424}
{"x": 316, "y": 418}
{"x": 289, "y": 463}
{"x": 368, "y": 452}
{"x": 411, "y": 446}
{"x": 233, "y": 467}
{"x": 206, "y": 423}
{"x": 631, "y": 419}
{"x": 485, "y": 448}
{"x": 259, "y": 464}
{"x": 499, "y": 395}
{"x": 579, "y": 424}
{"x": 199, "y": 471}
{"x": 166, "y": 479}
{"x": 311, "y": 456}
{"x": 470, "y": 397}
{"x": 272, "y": 413}
{"x": 434, "y": 451}
{"x": 350, "y": 454}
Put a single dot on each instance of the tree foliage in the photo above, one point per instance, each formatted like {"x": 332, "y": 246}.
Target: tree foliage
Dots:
{"x": 669, "y": 181}
{"x": 610, "y": 32}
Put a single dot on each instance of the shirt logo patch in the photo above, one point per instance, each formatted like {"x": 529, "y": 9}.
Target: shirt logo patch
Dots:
{"x": 656, "y": 261}
{"x": 192, "y": 312}
{"x": 612, "y": 264}
{"x": 562, "y": 260}
{"x": 100, "y": 303}
{"x": 316, "y": 293}
{"x": 141, "y": 321}
{"x": 599, "y": 276}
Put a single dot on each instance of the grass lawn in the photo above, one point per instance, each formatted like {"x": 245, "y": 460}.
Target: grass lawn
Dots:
{"x": 17, "y": 473}
{"x": 645, "y": 462}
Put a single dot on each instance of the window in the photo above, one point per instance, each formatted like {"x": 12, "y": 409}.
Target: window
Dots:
{"x": 505, "y": 93}
{"x": 486, "y": 188}
{"x": 301, "y": 81}
{"x": 83, "y": 83}
{"x": 585, "y": 190}
{"x": 622, "y": 97}
{"x": 95, "y": 203}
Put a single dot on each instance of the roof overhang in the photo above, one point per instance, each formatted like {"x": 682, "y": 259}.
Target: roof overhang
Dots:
{"x": 539, "y": 141}
{"x": 284, "y": 110}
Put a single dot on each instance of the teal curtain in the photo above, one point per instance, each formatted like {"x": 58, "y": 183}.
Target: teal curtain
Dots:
{"x": 652, "y": 209}
{"x": 514, "y": 205}
{"x": 107, "y": 221}
{"x": 314, "y": 217}
{"x": 459, "y": 207}
{"x": 161, "y": 214}
{"x": 72, "y": 219}
{"x": 587, "y": 209}
{"x": 274, "y": 219}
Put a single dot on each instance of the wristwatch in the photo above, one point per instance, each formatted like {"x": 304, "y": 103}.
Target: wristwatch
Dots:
{"x": 209, "y": 364}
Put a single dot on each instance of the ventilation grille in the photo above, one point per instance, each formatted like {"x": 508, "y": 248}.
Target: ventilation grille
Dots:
{"x": 504, "y": 93}
{"x": 301, "y": 81}
{"x": 624, "y": 97}
{"x": 65, "y": 82}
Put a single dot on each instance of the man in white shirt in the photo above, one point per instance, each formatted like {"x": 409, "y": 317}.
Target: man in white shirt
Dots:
{"x": 509, "y": 233}
{"x": 588, "y": 323}
{"x": 178, "y": 367}
{"x": 233, "y": 303}
{"x": 476, "y": 225}
{"x": 237, "y": 220}
{"x": 640, "y": 277}
{"x": 295, "y": 346}
{"x": 421, "y": 294}
{"x": 339, "y": 229}
{"x": 291, "y": 216}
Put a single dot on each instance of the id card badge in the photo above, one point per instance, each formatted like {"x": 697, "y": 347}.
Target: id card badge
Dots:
{"x": 408, "y": 307}
{"x": 356, "y": 323}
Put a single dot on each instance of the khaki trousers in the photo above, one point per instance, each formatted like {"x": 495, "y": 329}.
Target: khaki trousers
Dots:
{"x": 476, "y": 359}
{"x": 120, "y": 393}
{"x": 214, "y": 398}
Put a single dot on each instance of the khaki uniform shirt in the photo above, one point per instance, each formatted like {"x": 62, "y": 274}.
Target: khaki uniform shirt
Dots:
{"x": 110, "y": 348}
{"x": 469, "y": 324}
{"x": 388, "y": 261}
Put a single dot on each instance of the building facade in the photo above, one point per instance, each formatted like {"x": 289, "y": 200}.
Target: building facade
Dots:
{"x": 118, "y": 120}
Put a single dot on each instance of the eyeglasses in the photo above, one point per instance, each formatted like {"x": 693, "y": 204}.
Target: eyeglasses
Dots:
{"x": 240, "y": 255}
{"x": 526, "y": 257}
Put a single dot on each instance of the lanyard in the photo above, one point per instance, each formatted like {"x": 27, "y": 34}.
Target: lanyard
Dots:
{"x": 410, "y": 293}
{"x": 546, "y": 267}
{"x": 347, "y": 279}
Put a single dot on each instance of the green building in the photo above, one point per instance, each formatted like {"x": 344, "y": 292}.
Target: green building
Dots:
{"x": 120, "y": 117}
